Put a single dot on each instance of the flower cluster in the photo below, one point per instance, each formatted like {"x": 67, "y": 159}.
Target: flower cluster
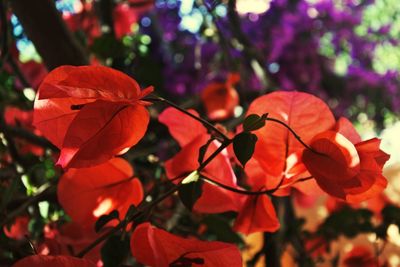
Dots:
{"x": 101, "y": 181}
{"x": 92, "y": 114}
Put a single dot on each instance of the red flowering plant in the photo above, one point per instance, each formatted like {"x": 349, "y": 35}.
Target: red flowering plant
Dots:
{"x": 289, "y": 142}
{"x": 99, "y": 170}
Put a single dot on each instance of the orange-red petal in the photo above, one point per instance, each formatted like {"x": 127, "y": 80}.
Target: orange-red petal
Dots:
{"x": 182, "y": 127}
{"x": 351, "y": 173}
{"x": 346, "y": 128}
{"x": 87, "y": 193}
{"x": 100, "y": 131}
{"x": 257, "y": 215}
{"x": 337, "y": 163}
{"x": 18, "y": 229}
{"x": 89, "y": 82}
{"x": 155, "y": 247}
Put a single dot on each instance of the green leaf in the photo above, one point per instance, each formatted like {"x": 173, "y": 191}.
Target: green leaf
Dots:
{"x": 391, "y": 214}
{"x": 348, "y": 222}
{"x": 107, "y": 46}
{"x": 189, "y": 193}
{"x": 35, "y": 227}
{"x": 221, "y": 228}
{"x": 44, "y": 208}
{"x": 192, "y": 177}
{"x": 104, "y": 219}
{"x": 114, "y": 251}
{"x": 243, "y": 146}
{"x": 254, "y": 122}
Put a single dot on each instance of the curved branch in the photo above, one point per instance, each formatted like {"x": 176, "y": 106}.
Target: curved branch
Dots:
{"x": 204, "y": 122}
{"x": 251, "y": 193}
{"x": 294, "y": 133}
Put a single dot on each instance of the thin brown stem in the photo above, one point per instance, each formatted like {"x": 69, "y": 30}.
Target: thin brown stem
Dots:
{"x": 11, "y": 145}
{"x": 235, "y": 190}
{"x": 379, "y": 251}
{"x": 18, "y": 72}
{"x": 213, "y": 155}
{"x": 33, "y": 247}
{"x": 251, "y": 193}
{"x": 28, "y": 136}
{"x": 294, "y": 134}
{"x": 103, "y": 237}
{"x": 204, "y": 122}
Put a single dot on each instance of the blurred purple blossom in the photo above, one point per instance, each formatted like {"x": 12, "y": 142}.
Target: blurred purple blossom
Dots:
{"x": 289, "y": 37}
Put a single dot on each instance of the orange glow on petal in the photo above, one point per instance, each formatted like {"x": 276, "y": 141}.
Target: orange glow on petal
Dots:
{"x": 66, "y": 156}
{"x": 338, "y": 147}
{"x": 123, "y": 151}
{"x": 87, "y": 193}
{"x": 103, "y": 208}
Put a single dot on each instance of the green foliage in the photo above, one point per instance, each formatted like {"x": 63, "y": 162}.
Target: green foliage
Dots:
{"x": 348, "y": 222}
{"x": 189, "y": 193}
{"x": 106, "y": 46}
{"x": 243, "y": 146}
{"x": 104, "y": 219}
{"x": 35, "y": 227}
{"x": 391, "y": 215}
{"x": 220, "y": 226}
{"x": 203, "y": 150}
{"x": 114, "y": 251}
{"x": 254, "y": 122}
